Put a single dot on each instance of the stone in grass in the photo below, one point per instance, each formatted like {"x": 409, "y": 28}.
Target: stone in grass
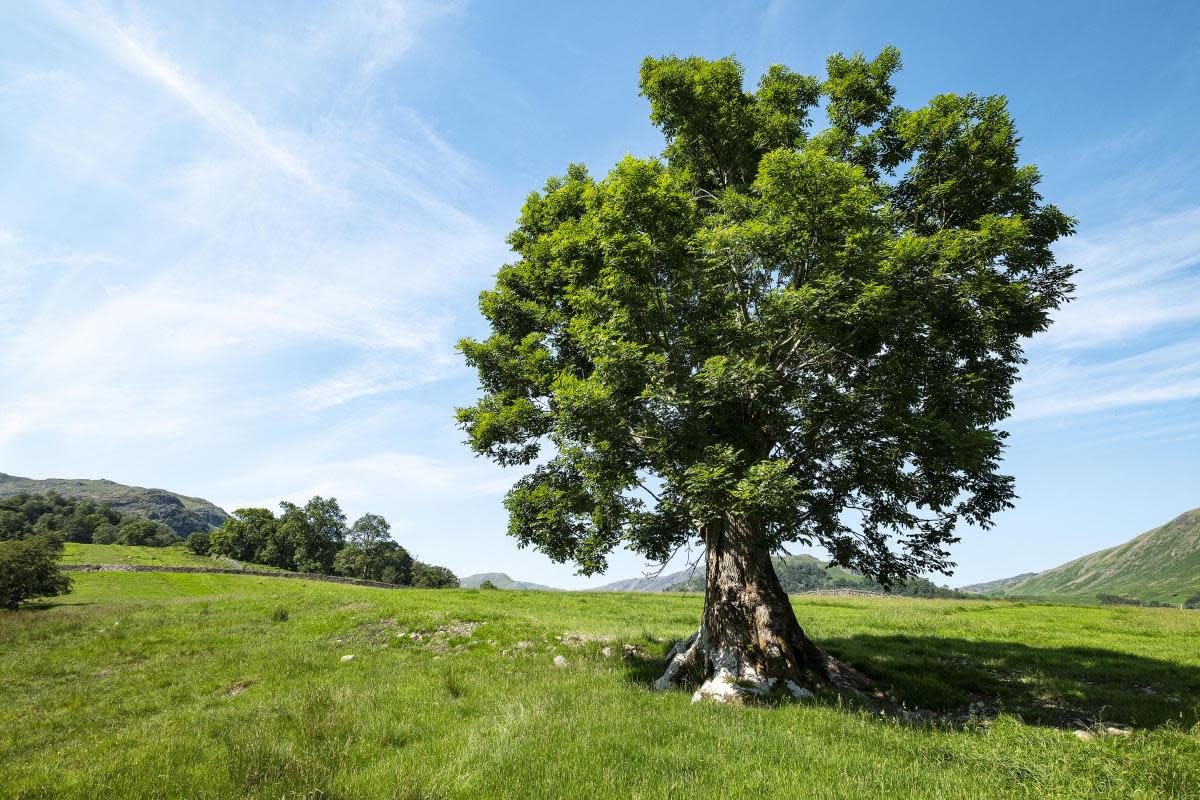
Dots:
{"x": 1084, "y": 735}
{"x": 560, "y": 662}
{"x": 347, "y": 658}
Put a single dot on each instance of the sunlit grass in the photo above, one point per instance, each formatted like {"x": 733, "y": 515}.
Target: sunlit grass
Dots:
{"x": 164, "y": 685}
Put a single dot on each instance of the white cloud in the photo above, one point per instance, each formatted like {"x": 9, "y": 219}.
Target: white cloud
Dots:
{"x": 1128, "y": 339}
{"x": 250, "y": 268}
{"x": 136, "y": 49}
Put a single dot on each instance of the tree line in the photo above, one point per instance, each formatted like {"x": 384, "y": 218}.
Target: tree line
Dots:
{"x": 31, "y": 543}
{"x": 77, "y": 520}
{"x": 316, "y": 538}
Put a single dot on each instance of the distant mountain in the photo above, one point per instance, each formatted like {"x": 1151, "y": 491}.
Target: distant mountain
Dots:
{"x": 1161, "y": 565}
{"x": 659, "y": 583}
{"x": 178, "y": 512}
{"x": 987, "y": 587}
{"x": 798, "y": 573}
{"x": 500, "y": 581}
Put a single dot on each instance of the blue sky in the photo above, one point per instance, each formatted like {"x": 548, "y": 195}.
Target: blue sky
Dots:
{"x": 238, "y": 241}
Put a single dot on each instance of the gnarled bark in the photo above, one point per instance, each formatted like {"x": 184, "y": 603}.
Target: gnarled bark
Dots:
{"x": 750, "y": 643}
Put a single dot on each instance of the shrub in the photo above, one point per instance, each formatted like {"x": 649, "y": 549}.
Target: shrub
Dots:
{"x": 29, "y": 569}
{"x": 280, "y": 614}
{"x": 487, "y": 585}
{"x": 198, "y": 543}
{"x": 144, "y": 533}
{"x": 428, "y": 576}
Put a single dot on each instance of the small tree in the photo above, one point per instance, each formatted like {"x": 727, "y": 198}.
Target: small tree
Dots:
{"x": 428, "y": 576}
{"x": 198, "y": 543}
{"x": 29, "y": 569}
{"x": 770, "y": 336}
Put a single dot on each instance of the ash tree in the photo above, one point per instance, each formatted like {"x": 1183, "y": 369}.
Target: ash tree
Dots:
{"x": 770, "y": 335}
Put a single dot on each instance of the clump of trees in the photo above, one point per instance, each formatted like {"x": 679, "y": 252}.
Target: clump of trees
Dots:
{"x": 31, "y": 544}
{"x": 1130, "y": 600}
{"x": 29, "y": 569}
{"x": 72, "y": 520}
{"x": 315, "y": 538}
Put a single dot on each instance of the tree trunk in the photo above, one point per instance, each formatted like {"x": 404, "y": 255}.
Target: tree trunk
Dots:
{"x": 750, "y": 644}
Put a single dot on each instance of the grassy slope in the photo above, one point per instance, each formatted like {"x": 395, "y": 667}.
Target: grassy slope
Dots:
{"x": 163, "y": 685}
{"x": 125, "y": 554}
{"x": 173, "y": 556}
{"x": 1162, "y": 564}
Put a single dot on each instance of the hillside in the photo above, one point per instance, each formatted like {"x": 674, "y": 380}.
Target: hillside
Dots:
{"x": 652, "y": 583}
{"x": 1161, "y": 565}
{"x": 154, "y": 685}
{"x": 178, "y": 512}
{"x": 501, "y": 581}
{"x": 989, "y": 587}
{"x": 797, "y": 573}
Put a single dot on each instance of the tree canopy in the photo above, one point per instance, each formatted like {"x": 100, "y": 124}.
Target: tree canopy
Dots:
{"x": 315, "y": 538}
{"x": 76, "y": 520}
{"x": 815, "y": 332}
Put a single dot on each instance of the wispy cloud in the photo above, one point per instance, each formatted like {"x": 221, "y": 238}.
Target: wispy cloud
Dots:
{"x": 1129, "y": 338}
{"x": 257, "y": 265}
{"x": 135, "y": 48}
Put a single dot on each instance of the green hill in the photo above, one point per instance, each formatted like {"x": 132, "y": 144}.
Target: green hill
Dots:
{"x": 501, "y": 581}
{"x": 1161, "y": 565}
{"x": 804, "y": 573}
{"x": 178, "y": 512}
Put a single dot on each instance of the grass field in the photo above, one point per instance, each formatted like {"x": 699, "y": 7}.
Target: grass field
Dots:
{"x": 124, "y": 554}
{"x": 174, "y": 556}
{"x": 166, "y": 685}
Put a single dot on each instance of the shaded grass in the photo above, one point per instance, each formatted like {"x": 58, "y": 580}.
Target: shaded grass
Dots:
{"x": 161, "y": 685}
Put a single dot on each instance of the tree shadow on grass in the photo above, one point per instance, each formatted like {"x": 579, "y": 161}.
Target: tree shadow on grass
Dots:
{"x": 1062, "y": 687}
{"x": 962, "y": 681}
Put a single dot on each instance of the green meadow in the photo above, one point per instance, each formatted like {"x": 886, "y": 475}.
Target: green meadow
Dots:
{"x": 155, "y": 685}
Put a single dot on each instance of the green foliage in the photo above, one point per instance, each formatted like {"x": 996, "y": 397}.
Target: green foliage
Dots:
{"x": 428, "y": 576}
{"x": 487, "y": 584}
{"x": 371, "y": 554}
{"x": 144, "y": 533}
{"x": 198, "y": 543}
{"x": 81, "y": 521}
{"x": 315, "y": 538}
{"x": 182, "y": 514}
{"x": 197, "y": 693}
{"x": 29, "y": 569}
{"x": 818, "y": 333}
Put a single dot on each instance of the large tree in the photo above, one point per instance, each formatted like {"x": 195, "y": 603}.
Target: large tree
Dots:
{"x": 770, "y": 336}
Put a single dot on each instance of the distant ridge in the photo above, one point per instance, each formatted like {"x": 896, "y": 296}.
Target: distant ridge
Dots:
{"x": 500, "y": 581}
{"x": 180, "y": 513}
{"x": 797, "y": 574}
{"x": 653, "y": 583}
{"x": 1160, "y": 565}
{"x": 991, "y": 586}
